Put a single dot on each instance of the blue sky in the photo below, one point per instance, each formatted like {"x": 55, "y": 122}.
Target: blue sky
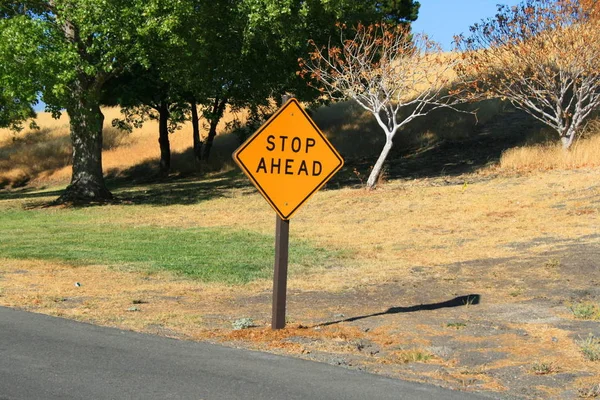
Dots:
{"x": 442, "y": 19}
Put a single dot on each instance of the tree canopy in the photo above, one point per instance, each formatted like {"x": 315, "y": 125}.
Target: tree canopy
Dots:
{"x": 541, "y": 55}
{"x": 17, "y": 95}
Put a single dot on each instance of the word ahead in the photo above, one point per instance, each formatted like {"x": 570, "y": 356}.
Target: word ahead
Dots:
{"x": 288, "y": 159}
{"x": 289, "y": 166}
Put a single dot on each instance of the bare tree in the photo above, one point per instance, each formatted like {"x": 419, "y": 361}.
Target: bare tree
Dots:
{"x": 543, "y": 56}
{"x": 385, "y": 69}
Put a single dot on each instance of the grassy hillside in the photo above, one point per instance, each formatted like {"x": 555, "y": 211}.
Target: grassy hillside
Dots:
{"x": 42, "y": 157}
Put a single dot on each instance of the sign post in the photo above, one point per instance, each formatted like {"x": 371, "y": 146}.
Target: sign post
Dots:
{"x": 282, "y": 247}
{"x": 288, "y": 159}
{"x": 282, "y": 234}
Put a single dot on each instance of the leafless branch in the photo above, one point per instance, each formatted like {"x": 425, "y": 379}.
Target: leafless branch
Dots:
{"x": 384, "y": 69}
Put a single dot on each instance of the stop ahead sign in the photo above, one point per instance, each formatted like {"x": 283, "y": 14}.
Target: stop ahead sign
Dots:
{"x": 288, "y": 159}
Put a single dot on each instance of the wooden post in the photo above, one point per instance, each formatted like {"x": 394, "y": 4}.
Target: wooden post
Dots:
{"x": 282, "y": 234}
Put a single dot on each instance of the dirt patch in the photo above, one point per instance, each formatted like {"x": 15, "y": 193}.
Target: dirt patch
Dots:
{"x": 494, "y": 337}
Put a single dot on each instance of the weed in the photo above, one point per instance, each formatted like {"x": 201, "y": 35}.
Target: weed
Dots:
{"x": 589, "y": 392}
{"x": 456, "y": 325}
{"x": 590, "y": 347}
{"x": 358, "y": 176}
{"x": 552, "y": 263}
{"x": 243, "y": 323}
{"x": 585, "y": 310}
{"x": 516, "y": 292}
{"x": 382, "y": 178}
{"x": 412, "y": 355}
{"x": 469, "y": 301}
{"x": 544, "y": 368}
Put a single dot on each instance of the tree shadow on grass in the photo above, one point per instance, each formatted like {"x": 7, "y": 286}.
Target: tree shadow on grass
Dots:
{"x": 180, "y": 190}
{"x": 165, "y": 192}
{"x": 444, "y": 144}
{"x": 28, "y": 193}
{"x": 142, "y": 185}
{"x": 468, "y": 300}
{"x": 188, "y": 183}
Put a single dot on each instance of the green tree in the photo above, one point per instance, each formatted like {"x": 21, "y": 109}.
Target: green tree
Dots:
{"x": 398, "y": 11}
{"x": 152, "y": 88}
{"x": 17, "y": 96}
{"x": 142, "y": 96}
{"x": 242, "y": 53}
{"x": 80, "y": 46}
{"x": 211, "y": 53}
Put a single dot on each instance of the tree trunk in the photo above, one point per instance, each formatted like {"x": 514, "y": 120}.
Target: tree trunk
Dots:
{"x": 212, "y": 132}
{"x": 567, "y": 139}
{"x": 86, "y": 120}
{"x": 163, "y": 138}
{"x": 372, "y": 181}
{"x": 196, "y": 133}
{"x": 216, "y": 114}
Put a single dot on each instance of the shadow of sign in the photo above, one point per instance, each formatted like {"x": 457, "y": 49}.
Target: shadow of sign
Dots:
{"x": 471, "y": 299}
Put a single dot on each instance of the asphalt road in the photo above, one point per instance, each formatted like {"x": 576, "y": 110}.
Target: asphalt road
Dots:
{"x": 50, "y": 358}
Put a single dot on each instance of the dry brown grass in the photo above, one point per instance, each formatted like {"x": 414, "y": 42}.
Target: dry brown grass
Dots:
{"x": 447, "y": 224}
{"x": 43, "y": 157}
{"x": 423, "y": 224}
{"x": 542, "y": 157}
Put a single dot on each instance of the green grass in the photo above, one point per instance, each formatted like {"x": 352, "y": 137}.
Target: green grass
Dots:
{"x": 79, "y": 237}
{"x": 586, "y": 310}
{"x": 413, "y": 355}
{"x": 544, "y": 368}
{"x": 590, "y": 347}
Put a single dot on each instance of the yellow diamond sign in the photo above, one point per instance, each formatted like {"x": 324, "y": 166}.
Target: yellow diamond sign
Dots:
{"x": 288, "y": 159}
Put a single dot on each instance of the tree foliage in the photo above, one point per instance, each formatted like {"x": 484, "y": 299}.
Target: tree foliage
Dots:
{"x": 19, "y": 78}
{"x": 543, "y": 56}
{"x": 398, "y": 11}
{"x": 242, "y": 53}
{"x": 79, "y": 46}
{"x": 152, "y": 88}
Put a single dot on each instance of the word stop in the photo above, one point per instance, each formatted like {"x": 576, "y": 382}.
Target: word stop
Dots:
{"x": 292, "y": 147}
